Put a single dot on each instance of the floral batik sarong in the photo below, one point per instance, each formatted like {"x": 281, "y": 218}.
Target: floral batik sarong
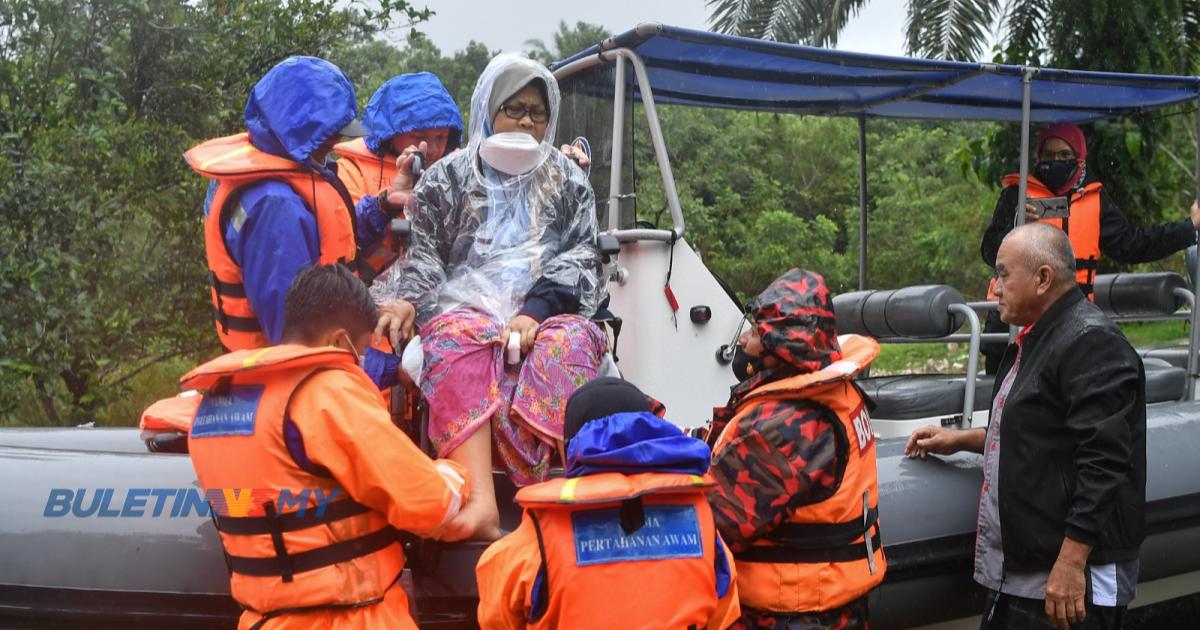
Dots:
{"x": 466, "y": 383}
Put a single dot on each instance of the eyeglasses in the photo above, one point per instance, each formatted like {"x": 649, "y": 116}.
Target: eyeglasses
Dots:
{"x": 1065, "y": 154}
{"x": 517, "y": 113}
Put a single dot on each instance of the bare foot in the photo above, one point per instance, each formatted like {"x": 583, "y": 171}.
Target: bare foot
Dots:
{"x": 478, "y": 520}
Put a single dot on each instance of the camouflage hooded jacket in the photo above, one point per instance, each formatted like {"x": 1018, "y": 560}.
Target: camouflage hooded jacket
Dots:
{"x": 786, "y": 453}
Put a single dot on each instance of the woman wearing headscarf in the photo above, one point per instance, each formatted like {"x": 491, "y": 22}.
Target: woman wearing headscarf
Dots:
{"x": 1095, "y": 225}
{"x": 502, "y": 265}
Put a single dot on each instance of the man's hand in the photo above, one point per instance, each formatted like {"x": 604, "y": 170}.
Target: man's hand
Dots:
{"x": 402, "y": 184}
{"x": 1066, "y": 587}
{"x": 1196, "y": 214}
{"x": 396, "y": 322}
{"x": 525, "y": 326}
{"x": 1031, "y": 214}
{"x": 935, "y": 440}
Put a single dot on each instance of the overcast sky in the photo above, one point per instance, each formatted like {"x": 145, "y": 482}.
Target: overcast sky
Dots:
{"x": 507, "y": 24}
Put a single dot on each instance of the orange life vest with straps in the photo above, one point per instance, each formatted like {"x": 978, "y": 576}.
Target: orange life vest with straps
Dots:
{"x": 637, "y": 551}
{"x": 1082, "y": 228}
{"x": 365, "y": 173}
{"x": 294, "y": 541}
{"x": 233, "y": 162}
{"x": 827, "y": 554}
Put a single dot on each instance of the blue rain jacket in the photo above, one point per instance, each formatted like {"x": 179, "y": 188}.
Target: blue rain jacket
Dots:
{"x": 410, "y": 102}
{"x": 635, "y": 442}
{"x": 292, "y": 110}
{"x": 405, "y": 103}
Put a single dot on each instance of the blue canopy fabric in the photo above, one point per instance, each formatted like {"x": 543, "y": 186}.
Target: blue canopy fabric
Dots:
{"x": 699, "y": 68}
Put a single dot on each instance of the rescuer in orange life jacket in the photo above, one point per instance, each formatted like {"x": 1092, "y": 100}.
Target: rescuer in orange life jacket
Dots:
{"x": 276, "y": 205}
{"x": 794, "y": 463}
{"x": 626, "y": 540}
{"x": 317, "y": 479}
{"x": 1095, "y": 225}
{"x": 406, "y": 112}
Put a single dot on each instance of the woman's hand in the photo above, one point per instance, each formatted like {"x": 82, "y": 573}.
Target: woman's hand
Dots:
{"x": 525, "y": 326}
{"x": 396, "y": 322}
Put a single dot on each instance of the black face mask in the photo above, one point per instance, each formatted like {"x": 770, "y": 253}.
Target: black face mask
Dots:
{"x": 743, "y": 365}
{"x": 1056, "y": 173}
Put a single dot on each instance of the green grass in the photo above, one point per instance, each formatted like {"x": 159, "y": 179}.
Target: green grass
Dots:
{"x": 901, "y": 358}
{"x": 1156, "y": 333}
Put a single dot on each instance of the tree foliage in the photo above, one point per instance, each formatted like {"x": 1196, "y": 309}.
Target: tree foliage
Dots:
{"x": 369, "y": 64}
{"x": 762, "y": 193}
{"x": 1144, "y": 159}
{"x": 961, "y": 29}
{"x": 102, "y": 267}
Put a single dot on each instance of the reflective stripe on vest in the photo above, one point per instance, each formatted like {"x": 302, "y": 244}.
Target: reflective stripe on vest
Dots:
{"x": 1082, "y": 227}
{"x": 366, "y": 173}
{"x": 647, "y": 541}
{"x": 285, "y": 551}
{"x": 234, "y": 163}
{"x": 828, "y": 553}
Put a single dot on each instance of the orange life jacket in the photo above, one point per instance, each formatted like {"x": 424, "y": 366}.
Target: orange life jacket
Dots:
{"x": 284, "y": 553}
{"x": 827, "y": 554}
{"x": 365, "y": 173}
{"x": 171, "y": 414}
{"x": 235, "y": 163}
{"x": 1082, "y": 227}
{"x": 661, "y": 575}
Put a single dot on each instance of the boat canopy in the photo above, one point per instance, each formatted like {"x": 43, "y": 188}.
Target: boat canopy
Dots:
{"x": 699, "y": 68}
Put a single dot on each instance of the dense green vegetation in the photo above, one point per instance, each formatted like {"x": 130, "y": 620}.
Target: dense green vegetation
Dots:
{"x": 101, "y": 256}
{"x": 101, "y": 260}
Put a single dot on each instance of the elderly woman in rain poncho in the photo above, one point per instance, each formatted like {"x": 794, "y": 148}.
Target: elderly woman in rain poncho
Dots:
{"x": 503, "y": 245}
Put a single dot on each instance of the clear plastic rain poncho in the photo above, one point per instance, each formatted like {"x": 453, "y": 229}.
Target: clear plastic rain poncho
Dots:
{"x": 481, "y": 238}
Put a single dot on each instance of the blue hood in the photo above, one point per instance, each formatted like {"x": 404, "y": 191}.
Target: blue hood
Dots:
{"x": 407, "y": 103}
{"x": 298, "y": 105}
{"x": 635, "y": 442}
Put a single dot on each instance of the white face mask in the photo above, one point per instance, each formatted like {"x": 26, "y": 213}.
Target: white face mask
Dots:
{"x": 512, "y": 152}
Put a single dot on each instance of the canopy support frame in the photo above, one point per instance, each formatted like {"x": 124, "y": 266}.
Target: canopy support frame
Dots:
{"x": 971, "y": 380}
{"x": 618, "y": 146}
{"x": 1194, "y": 322}
{"x": 656, "y": 136}
{"x": 1023, "y": 186}
{"x": 862, "y": 202}
{"x": 1026, "y": 99}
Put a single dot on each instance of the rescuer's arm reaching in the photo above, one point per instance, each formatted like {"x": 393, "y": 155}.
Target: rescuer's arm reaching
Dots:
{"x": 346, "y": 429}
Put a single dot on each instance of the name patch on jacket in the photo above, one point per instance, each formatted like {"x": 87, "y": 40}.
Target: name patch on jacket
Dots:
{"x": 229, "y": 414}
{"x": 670, "y": 531}
{"x": 861, "y": 420}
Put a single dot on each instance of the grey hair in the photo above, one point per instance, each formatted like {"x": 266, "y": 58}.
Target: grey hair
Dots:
{"x": 1044, "y": 244}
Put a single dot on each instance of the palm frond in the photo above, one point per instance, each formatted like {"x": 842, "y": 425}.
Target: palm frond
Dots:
{"x": 1191, "y": 34}
{"x": 748, "y": 18}
{"x": 813, "y": 22}
{"x": 949, "y": 29}
{"x": 1024, "y": 27}
{"x": 839, "y": 13}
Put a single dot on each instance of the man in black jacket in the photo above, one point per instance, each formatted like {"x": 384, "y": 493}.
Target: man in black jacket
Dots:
{"x": 1062, "y": 511}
